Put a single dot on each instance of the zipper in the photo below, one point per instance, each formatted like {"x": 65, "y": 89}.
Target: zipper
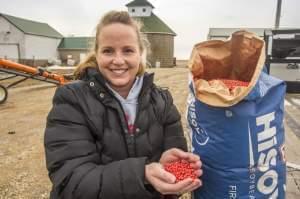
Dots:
{"x": 126, "y": 135}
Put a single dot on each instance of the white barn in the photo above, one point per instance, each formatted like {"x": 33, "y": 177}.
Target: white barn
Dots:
{"x": 27, "y": 41}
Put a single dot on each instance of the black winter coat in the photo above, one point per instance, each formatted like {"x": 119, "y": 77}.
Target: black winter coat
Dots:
{"x": 89, "y": 153}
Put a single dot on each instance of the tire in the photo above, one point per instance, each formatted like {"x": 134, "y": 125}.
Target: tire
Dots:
{"x": 3, "y": 94}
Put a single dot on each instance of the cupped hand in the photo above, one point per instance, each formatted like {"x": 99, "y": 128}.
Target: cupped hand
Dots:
{"x": 164, "y": 182}
{"x": 174, "y": 154}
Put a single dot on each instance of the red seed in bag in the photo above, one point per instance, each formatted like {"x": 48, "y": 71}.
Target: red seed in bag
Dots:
{"x": 231, "y": 84}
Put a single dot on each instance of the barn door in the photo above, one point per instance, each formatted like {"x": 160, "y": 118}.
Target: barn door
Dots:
{"x": 9, "y": 51}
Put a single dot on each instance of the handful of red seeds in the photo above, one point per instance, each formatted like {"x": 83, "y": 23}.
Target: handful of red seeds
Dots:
{"x": 181, "y": 170}
{"x": 231, "y": 84}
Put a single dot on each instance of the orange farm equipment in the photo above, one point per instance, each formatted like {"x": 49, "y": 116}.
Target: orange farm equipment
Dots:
{"x": 27, "y": 72}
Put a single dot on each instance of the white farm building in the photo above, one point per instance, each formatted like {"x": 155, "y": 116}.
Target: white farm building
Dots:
{"x": 27, "y": 41}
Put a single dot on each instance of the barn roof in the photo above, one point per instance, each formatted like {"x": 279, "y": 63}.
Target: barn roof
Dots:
{"x": 32, "y": 27}
{"x": 76, "y": 43}
{"x": 139, "y": 3}
{"x": 154, "y": 24}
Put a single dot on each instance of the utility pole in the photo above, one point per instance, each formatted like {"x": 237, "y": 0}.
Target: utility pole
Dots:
{"x": 278, "y": 13}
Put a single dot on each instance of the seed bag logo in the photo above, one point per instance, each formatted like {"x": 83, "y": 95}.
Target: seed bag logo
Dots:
{"x": 198, "y": 133}
{"x": 267, "y": 182}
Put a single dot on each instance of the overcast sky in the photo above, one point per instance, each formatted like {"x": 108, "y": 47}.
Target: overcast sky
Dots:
{"x": 190, "y": 19}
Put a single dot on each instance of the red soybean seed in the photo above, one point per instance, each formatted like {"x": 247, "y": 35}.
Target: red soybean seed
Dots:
{"x": 181, "y": 170}
{"x": 231, "y": 84}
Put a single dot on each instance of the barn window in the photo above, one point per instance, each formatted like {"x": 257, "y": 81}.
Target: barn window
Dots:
{"x": 133, "y": 10}
{"x": 144, "y": 9}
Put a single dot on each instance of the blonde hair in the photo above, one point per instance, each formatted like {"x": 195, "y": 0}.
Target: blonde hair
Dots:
{"x": 111, "y": 17}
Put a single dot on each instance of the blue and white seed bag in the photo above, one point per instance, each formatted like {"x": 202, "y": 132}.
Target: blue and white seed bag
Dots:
{"x": 238, "y": 133}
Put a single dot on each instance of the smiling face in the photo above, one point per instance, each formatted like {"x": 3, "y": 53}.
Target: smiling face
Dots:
{"x": 118, "y": 56}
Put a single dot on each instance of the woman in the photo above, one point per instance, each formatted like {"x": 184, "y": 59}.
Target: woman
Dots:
{"x": 109, "y": 133}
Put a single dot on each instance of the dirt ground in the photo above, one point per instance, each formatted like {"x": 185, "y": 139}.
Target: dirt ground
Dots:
{"x": 22, "y": 121}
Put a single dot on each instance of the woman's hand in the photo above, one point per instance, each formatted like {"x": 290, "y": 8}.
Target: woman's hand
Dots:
{"x": 164, "y": 182}
{"x": 173, "y": 155}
